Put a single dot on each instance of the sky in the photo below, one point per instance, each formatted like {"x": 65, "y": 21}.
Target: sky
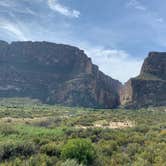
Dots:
{"x": 116, "y": 34}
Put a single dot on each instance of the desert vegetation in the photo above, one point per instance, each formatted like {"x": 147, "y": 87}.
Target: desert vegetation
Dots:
{"x": 33, "y": 134}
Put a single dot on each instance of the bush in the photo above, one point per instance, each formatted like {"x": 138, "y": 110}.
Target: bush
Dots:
{"x": 6, "y": 129}
{"x": 6, "y": 151}
{"x": 16, "y": 162}
{"x": 132, "y": 149}
{"x": 26, "y": 149}
{"x": 107, "y": 147}
{"x": 120, "y": 159}
{"x": 41, "y": 160}
{"x": 80, "y": 150}
{"x": 51, "y": 149}
{"x": 71, "y": 163}
{"x": 10, "y": 150}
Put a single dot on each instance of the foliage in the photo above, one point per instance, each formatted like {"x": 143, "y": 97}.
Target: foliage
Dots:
{"x": 80, "y": 149}
{"x": 51, "y": 149}
{"x": 33, "y": 134}
{"x": 71, "y": 162}
{"x": 8, "y": 150}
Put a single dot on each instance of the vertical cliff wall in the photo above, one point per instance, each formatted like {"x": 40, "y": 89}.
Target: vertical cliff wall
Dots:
{"x": 55, "y": 74}
{"x": 149, "y": 88}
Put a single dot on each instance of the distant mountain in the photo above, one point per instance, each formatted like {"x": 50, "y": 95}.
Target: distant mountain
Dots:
{"x": 149, "y": 88}
{"x": 54, "y": 74}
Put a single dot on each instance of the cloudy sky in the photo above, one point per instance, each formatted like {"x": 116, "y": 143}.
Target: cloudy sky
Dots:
{"x": 116, "y": 34}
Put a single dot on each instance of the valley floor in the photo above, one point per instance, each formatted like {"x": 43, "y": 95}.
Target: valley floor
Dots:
{"x": 33, "y": 134}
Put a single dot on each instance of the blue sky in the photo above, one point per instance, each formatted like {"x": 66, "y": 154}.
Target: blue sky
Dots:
{"x": 116, "y": 34}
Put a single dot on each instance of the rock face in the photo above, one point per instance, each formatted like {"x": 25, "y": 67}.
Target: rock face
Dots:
{"x": 55, "y": 74}
{"x": 149, "y": 88}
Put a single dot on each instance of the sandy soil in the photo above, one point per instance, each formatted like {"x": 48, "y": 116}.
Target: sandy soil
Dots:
{"x": 111, "y": 125}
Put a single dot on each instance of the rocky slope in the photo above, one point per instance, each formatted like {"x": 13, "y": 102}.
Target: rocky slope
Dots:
{"x": 55, "y": 74}
{"x": 149, "y": 88}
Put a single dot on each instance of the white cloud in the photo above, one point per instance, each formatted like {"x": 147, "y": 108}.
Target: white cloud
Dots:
{"x": 116, "y": 63}
{"x": 136, "y": 4}
{"x": 12, "y": 28}
{"x": 56, "y": 6}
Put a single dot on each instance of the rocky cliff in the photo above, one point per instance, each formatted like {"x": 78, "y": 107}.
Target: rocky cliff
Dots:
{"x": 149, "y": 88}
{"x": 55, "y": 74}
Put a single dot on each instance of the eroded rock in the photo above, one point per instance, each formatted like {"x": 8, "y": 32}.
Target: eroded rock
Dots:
{"x": 149, "y": 88}
{"x": 55, "y": 74}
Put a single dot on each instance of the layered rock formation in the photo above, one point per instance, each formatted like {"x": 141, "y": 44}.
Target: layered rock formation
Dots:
{"x": 55, "y": 74}
{"x": 149, "y": 88}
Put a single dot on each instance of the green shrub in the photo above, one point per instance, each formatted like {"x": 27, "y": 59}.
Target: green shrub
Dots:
{"x": 132, "y": 149}
{"x": 10, "y": 150}
{"x": 81, "y": 150}
{"x": 119, "y": 159}
{"x": 41, "y": 160}
{"x": 51, "y": 149}
{"x": 6, "y": 129}
{"x": 70, "y": 162}
{"x": 16, "y": 162}
{"x": 107, "y": 147}
{"x": 6, "y": 151}
{"x": 26, "y": 149}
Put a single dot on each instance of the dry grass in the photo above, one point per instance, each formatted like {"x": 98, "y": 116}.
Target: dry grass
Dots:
{"x": 110, "y": 125}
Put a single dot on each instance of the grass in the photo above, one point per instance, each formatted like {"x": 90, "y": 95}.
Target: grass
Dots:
{"x": 31, "y": 131}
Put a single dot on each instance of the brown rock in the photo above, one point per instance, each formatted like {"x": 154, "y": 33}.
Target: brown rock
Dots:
{"x": 149, "y": 88}
{"x": 55, "y": 74}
